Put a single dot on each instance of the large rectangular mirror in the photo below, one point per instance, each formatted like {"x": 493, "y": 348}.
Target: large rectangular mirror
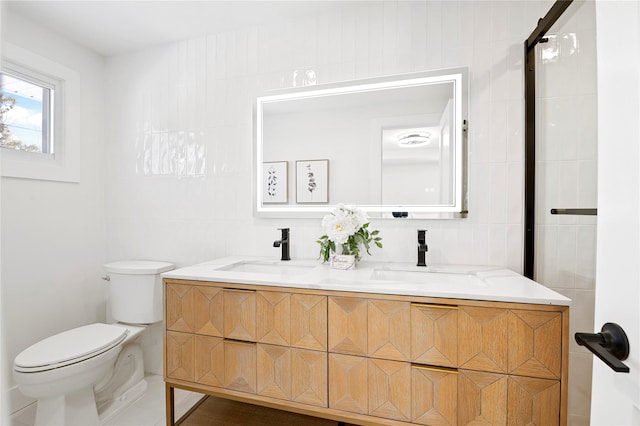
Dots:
{"x": 394, "y": 146}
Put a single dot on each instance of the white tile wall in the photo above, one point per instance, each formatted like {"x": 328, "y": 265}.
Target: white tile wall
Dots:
{"x": 179, "y": 169}
{"x": 566, "y": 177}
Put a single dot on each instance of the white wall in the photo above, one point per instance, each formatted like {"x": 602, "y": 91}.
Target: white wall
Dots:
{"x": 197, "y": 95}
{"x": 53, "y": 240}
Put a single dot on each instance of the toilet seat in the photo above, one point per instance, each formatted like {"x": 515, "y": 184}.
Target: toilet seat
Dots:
{"x": 69, "y": 347}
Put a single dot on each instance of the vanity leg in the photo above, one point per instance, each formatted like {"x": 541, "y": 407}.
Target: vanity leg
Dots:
{"x": 169, "y": 405}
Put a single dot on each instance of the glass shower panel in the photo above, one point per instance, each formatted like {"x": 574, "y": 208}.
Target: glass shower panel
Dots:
{"x": 566, "y": 179}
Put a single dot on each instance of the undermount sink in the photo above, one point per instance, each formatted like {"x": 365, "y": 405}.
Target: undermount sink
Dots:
{"x": 269, "y": 267}
{"x": 427, "y": 277}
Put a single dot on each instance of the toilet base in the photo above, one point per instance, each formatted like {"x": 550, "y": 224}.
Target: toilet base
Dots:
{"x": 124, "y": 385}
{"x": 76, "y": 408}
{"x": 123, "y": 401}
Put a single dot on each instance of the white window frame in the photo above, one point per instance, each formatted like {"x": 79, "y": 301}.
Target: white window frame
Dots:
{"x": 64, "y": 164}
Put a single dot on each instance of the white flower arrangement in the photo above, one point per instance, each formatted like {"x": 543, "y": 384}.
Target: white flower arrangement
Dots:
{"x": 349, "y": 228}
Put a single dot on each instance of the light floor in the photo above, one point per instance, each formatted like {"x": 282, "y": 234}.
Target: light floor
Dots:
{"x": 149, "y": 410}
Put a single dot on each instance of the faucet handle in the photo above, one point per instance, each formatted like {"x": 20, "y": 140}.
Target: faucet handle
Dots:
{"x": 422, "y": 236}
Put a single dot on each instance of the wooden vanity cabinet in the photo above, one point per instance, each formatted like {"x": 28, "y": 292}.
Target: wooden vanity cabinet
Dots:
{"x": 368, "y": 358}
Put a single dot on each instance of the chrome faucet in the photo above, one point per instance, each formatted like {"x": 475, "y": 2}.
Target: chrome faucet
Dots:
{"x": 422, "y": 247}
{"x": 284, "y": 243}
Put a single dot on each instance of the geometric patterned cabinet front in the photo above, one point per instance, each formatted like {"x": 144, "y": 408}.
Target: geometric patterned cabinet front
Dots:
{"x": 537, "y": 352}
{"x": 482, "y": 339}
{"x": 179, "y": 348}
{"x": 348, "y": 384}
{"x": 179, "y": 308}
{"x": 309, "y": 321}
{"x": 388, "y": 330}
{"x": 389, "y": 389}
{"x": 533, "y": 401}
{"x": 293, "y": 374}
{"x": 367, "y": 358}
{"x": 434, "y": 335}
{"x": 239, "y": 314}
{"x": 273, "y": 312}
{"x": 347, "y": 320}
{"x": 209, "y": 360}
{"x": 482, "y": 398}
{"x": 439, "y": 402}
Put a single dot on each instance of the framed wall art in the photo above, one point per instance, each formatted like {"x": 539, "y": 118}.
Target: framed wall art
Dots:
{"x": 275, "y": 182}
{"x": 312, "y": 181}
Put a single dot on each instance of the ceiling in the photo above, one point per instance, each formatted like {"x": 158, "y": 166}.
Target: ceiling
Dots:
{"x": 113, "y": 27}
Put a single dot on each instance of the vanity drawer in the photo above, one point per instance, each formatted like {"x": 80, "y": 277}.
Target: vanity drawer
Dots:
{"x": 348, "y": 383}
{"x": 209, "y": 360}
{"x": 194, "y": 309}
{"x": 388, "y": 330}
{"x": 309, "y": 321}
{"x": 348, "y": 325}
{"x": 240, "y": 366}
{"x": 179, "y": 355}
{"x": 292, "y": 374}
{"x": 483, "y": 338}
{"x": 434, "y": 395}
{"x": 434, "y": 334}
{"x": 273, "y": 312}
{"x": 239, "y": 314}
{"x": 179, "y": 309}
{"x": 535, "y": 343}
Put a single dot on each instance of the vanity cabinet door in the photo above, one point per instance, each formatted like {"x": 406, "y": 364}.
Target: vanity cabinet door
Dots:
{"x": 434, "y": 396}
{"x": 273, "y": 317}
{"x": 209, "y": 360}
{"x": 482, "y": 398}
{"x": 389, "y": 389}
{"x": 240, "y": 314}
{"x": 533, "y": 401}
{"x": 240, "y": 366}
{"x": 483, "y": 338}
{"x": 208, "y": 303}
{"x": 434, "y": 335}
{"x": 535, "y": 343}
{"x": 389, "y": 330}
{"x": 309, "y": 321}
{"x": 179, "y": 315}
{"x": 274, "y": 371}
{"x": 348, "y": 383}
{"x": 292, "y": 374}
{"x": 348, "y": 325}
{"x": 309, "y": 377}
{"x": 179, "y": 355}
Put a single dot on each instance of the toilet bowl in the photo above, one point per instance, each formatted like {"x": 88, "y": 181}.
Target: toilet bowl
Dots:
{"x": 86, "y": 375}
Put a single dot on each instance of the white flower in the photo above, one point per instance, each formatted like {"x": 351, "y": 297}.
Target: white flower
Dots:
{"x": 346, "y": 227}
{"x": 338, "y": 227}
{"x": 342, "y": 223}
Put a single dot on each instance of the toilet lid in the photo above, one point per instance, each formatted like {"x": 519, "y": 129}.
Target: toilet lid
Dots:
{"x": 69, "y": 347}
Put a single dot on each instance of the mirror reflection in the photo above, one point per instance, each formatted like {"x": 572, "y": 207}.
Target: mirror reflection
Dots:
{"x": 385, "y": 145}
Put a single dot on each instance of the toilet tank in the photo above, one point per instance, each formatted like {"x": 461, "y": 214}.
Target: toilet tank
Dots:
{"x": 135, "y": 290}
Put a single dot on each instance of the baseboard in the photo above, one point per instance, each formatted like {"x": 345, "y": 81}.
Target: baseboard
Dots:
{"x": 17, "y": 401}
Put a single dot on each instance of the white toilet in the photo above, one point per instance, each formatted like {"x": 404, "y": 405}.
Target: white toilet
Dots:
{"x": 83, "y": 376}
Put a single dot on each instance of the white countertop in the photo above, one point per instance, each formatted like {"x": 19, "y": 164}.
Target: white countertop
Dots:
{"x": 471, "y": 282}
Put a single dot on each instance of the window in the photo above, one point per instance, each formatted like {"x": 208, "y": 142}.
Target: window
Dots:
{"x": 39, "y": 117}
{"x": 26, "y": 113}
